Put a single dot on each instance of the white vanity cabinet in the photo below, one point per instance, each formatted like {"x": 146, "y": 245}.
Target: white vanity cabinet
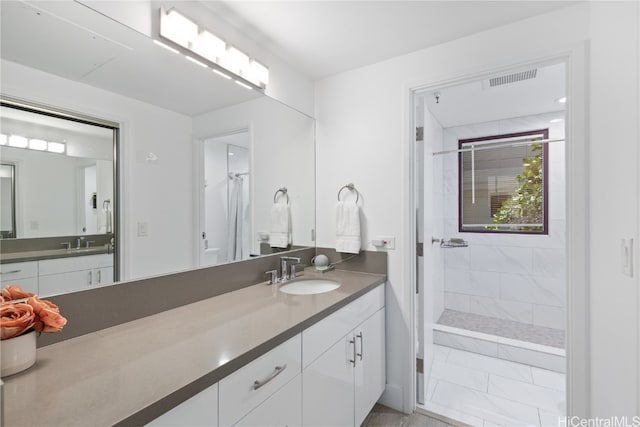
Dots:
{"x": 62, "y": 275}
{"x": 200, "y": 410}
{"x": 343, "y": 380}
{"x": 265, "y": 385}
{"x": 283, "y": 408}
{"x": 23, "y": 274}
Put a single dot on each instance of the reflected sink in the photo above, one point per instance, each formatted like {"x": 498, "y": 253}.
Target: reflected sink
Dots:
{"x": 309, "y": 287}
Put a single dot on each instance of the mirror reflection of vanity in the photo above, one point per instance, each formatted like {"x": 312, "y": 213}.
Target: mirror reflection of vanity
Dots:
{"x": 185, "y": 137}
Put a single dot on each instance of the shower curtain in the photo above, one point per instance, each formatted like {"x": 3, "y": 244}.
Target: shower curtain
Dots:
{"x": 234, "y": 231}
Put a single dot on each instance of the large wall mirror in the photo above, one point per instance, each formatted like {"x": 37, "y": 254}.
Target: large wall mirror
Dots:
{"x": 202, "y": 161}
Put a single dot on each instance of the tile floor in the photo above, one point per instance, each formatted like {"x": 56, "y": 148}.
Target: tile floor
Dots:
{"x": 484, "y": 391}
{"x": 381, "y": 416}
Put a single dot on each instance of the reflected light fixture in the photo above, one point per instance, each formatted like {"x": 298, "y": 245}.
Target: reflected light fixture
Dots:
{"x": 169, "y": 48}
{"x": 195, "y": 61}
{"x": 38, "y": 144}
{"x": 197, "y": 44}
{"x": 18, "y": 141}
{"x": 56, "y": 147}
{"x": 562, "y": 100}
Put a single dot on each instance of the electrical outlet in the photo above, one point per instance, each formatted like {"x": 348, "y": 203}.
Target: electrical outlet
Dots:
{"x": 143, "y": 229}
{"x": 389, "y": 242}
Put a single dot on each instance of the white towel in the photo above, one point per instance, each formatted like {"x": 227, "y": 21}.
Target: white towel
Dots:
{"x": 280, "y": 234}
{"x": 348, "y": 228}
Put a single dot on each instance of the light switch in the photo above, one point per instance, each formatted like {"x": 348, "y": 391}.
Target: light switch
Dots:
{"x": 143, "y": 229}
{"x": 626, "y": 254}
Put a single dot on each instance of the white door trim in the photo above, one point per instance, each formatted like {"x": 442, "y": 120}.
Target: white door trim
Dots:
{"x": 577, "y": 186}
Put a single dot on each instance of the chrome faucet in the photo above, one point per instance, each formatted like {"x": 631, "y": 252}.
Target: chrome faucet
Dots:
{"x": 283, "y": 268}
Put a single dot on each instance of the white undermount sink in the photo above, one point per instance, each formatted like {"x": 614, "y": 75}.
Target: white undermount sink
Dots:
{"x": 309, "y": 286}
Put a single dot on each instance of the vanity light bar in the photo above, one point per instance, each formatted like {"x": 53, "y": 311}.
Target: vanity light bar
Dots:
{"x": 208, "y": 50}
{"x": 38, "y": 144}
{"x": 57, "y": 147}
{"x": 17, "y": 141}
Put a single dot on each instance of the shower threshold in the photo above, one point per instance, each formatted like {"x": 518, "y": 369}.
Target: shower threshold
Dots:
{"x": 503, "y": 339}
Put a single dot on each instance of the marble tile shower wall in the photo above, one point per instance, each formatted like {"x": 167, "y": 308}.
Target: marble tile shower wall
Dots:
{"x": 508, "y": 276}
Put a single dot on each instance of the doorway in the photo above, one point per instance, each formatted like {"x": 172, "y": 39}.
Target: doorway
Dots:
{"x": 491, "y": 260}
{"x": 226, "y": 220}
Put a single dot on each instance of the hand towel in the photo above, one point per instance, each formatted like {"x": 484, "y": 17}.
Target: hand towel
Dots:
{"x": 280, "y": 234}
{"x": 348, "y": 227}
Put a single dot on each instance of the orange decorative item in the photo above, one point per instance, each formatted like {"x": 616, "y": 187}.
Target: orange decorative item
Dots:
{"x": 22, "y": 315}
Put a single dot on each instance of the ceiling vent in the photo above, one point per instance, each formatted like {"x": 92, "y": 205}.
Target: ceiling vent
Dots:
{"x": 513, "y": 78}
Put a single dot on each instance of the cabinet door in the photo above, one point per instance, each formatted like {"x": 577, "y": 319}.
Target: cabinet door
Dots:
{"x": 23, "y": 274}
{"x": 28, "y": 284}
{"x": 370, "y": 371}
{"x": 103, "y": 276}
{"x": 284, "y": 408}
{"x": 200, "y": 410}
{"x": 241, "y": 391}
{"x": 327, "y": 387}
{"x": 54, "y": 284}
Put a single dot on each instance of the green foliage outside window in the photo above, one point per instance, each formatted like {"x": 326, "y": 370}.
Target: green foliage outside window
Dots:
{"x": 526, "y": 204}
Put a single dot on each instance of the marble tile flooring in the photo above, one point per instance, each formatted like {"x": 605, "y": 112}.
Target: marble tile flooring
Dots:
{"x": 485, "y": 391}
{"x": 381, "y": 416}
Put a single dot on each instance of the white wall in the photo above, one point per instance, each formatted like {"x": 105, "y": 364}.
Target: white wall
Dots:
{"x": 508, "y": 276}
{"x": 363, "y": 137}
{"x": 47, "y": 188}
{"x": 614, "y": 91}
{"x": 156, "y": 193}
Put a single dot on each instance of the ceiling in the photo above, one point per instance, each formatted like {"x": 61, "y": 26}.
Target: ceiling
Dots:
{"x": 321, "y": 38}
{"x": 478, "y": 102}
{"x": 68, "y": 39}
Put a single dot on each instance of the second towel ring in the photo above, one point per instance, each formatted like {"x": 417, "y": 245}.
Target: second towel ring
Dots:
{"x": 282, "y": 190}
{"x": 350, "y": 187}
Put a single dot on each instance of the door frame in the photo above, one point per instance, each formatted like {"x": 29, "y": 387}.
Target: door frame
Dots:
{"x": 576, "y": 200}
{"x": 198, "y": 179}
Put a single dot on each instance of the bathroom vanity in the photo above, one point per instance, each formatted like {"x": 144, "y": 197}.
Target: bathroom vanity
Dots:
{"x": 251, "y": 356}
{"x": 57, "y": 271}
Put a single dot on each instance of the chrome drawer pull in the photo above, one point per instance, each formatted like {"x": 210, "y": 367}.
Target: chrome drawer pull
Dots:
{"x": 361, "y": 345}
{"x": 10, "y": 272}
{"x": 257, "y": 384}
{"x": 353, "y": 341}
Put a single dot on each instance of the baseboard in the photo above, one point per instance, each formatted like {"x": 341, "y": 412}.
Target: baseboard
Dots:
{"x": 393, "y": 397}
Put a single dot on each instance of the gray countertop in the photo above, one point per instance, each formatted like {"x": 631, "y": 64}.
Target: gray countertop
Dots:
{"x": 10, "y": 257}
{"x": 130, "y": 373}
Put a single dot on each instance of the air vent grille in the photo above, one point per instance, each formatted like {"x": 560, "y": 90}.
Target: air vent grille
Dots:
{"x": 513, "y": 78}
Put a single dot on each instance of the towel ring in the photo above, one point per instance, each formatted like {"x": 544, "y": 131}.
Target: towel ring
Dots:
{"x": 350, "y": 187}
{"x": 282, "y": 190}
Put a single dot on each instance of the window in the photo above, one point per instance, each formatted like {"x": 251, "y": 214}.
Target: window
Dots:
{"x": 503, "y": 183}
